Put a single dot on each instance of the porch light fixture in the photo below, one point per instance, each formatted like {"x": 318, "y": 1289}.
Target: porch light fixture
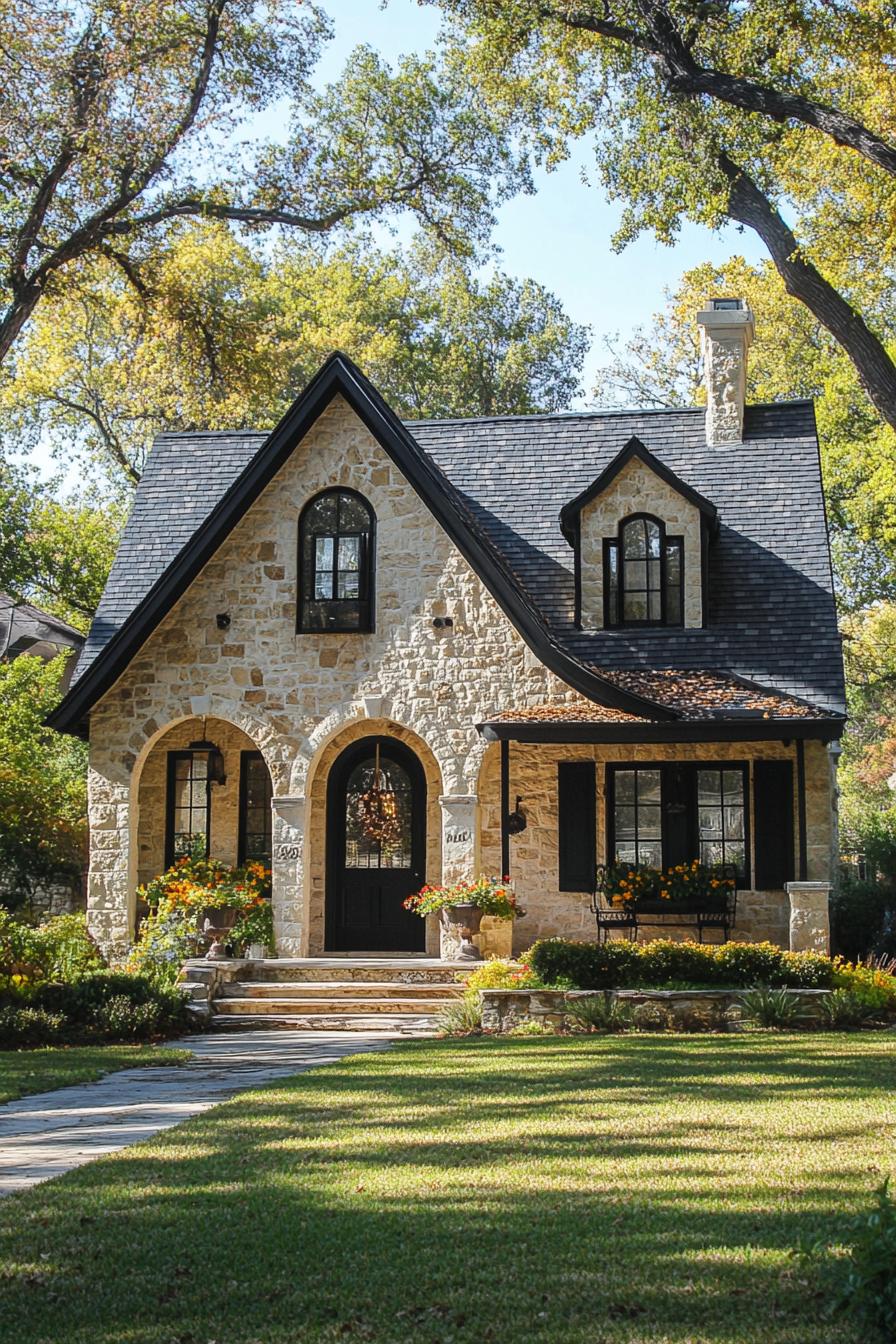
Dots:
{"x": 215, "y": 758}
{"x": 516, "y": 820}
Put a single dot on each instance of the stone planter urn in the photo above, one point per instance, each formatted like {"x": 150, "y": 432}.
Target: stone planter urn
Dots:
{"x": 215, "y": 923}
{"x": 459, "y": 925}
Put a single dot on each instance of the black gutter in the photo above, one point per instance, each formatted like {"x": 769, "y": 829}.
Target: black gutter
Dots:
{"x": 719, "y": 730}
{"x": 337, "y": 376}
{"x": 505, "y": 808}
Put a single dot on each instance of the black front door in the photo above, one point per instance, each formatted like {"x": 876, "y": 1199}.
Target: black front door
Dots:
{"x": 376, "y": 829}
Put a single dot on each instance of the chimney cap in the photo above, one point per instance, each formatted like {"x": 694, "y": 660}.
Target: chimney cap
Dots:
{"x": 727, "y": 317}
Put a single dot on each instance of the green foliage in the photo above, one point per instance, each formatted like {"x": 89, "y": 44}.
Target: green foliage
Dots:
{"x": 859, "y": 908}
{"x": 531, "y": 1028}
{"x": 662, "y": 963}
{"x": 869, "y": 1294}
{"x": 232, "y": 332}
{"x": 110, "y": 1005}
{"x": 461, "y": 1017}
{"x": 871, "y": 985}
{"x": 651, "y": 1016}
{"x": 842, "y": 1009}
{"x": 492, "y": 896}
{"x": 498, "y": 974}
{"x": 43, "y": 782}
{"x": 598, "y": 1012}
{"x": 775, "y": 1008}
{"x": 610, "y": 965}
{"x": 29, "y": 1027}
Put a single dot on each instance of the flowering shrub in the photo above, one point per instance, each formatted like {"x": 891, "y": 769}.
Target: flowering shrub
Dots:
{"x": 626, "y": 884}
{"x": 872, "y": 987}
{"x": 498, "y": 974}
{"x": 59, "y": 949}
{"x": 177, "y": 898}
{"x": 493, "y": 898}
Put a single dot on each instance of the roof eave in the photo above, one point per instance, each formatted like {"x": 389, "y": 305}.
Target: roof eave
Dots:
{"x": 703, "y": 730}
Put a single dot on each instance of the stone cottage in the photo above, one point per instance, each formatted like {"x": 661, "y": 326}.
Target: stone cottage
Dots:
{"x": 562, "y": 639}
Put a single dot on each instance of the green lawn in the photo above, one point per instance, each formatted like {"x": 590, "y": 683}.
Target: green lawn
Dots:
{"x": 531, "y": 1191}
{"x": 26, "y": 1071}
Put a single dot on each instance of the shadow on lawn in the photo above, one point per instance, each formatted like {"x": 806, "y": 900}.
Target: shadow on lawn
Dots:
{"x": 550, "y": 1191}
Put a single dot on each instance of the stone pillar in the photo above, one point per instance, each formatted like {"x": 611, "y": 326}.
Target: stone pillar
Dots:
{"x": 810, "y": 928}
{"x": 460, "y": 836}
{"x": 111, "y": 879}
{"x": 288, "y": 874}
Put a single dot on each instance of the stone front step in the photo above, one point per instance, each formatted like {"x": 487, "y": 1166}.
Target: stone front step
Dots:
{"x": 376, "y": 970}
{"x": 407, "y": 1024}
{"x": 339, "y": 989}
{"x": 232, "y": 1006}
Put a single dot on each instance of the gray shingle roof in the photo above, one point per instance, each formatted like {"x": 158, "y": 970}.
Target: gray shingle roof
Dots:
{"x": 771, "y": 615}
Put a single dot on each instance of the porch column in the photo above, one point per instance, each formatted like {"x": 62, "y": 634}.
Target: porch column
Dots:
{"x": 810, "y": 928}
{"x": 460, "y": 836}
{"x": 111, "y": 879}
{"x": 288, "y": 874}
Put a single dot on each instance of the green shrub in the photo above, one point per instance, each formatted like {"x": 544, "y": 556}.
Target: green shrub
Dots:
{"x": 599, "y": 1012}
{"x": 651, "y": 1016}
{"x": 750, "y": 963}
{"x": 59, "y": 949}
{"x": 84, "y": 1006}
{"x": 869, "y": 1295}
{"x": 29, "y": 1026}
{"x": 805, "y": 970}
{"x": 875, "y": 988}
{"x": 462, "y": 1017}
{"x": 611, "y": 965}
{"x": 531, "y": 1028}
{"x": 663, "y": 961}
{"x": 842, "y": 1009}
{"x": 859, "y": 909}
{"x": 121, "y": 1019}
{"x": 769, "y": 1007}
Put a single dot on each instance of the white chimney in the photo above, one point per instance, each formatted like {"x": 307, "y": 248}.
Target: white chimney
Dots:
{"x": 726, "y": 331}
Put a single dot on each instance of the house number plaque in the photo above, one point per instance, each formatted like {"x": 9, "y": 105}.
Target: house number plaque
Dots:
{"x": 287, "y": 851}
{"x": 457, "y": 837}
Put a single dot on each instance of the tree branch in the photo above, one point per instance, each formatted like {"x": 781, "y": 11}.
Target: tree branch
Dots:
{"x": 750, "y": 206}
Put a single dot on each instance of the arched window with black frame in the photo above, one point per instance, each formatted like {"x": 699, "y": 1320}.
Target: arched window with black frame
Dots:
{"x": 336, "y": 563}
{"x": 643, "y": 574}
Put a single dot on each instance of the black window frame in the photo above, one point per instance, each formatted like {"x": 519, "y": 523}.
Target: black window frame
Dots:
{"x": 247, "y": 759}
{"x": 613, "y": 546}
{"x": 171, "y": 782}
{"x": 680, "y": 828}
{"x": 366, "y": 568}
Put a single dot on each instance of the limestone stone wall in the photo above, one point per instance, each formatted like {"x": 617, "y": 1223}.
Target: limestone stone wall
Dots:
{"x": 533, "y": 774}
{"x": 152, "y": 794}
{"x": 292, "y": 694}
{"x": 637, "y": 490}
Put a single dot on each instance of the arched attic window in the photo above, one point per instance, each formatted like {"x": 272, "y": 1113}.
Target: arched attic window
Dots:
{"x": 336, "y": 563}
{"x": 643, "y": 574}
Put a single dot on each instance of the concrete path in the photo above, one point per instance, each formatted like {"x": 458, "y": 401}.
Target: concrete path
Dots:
{"x": 51, "y": 1132}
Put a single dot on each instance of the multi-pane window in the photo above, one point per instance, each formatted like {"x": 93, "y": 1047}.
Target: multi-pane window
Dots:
{"x": 255, "y": 810}
{"x": 643, "y": 575}
{"x": 721, "y": 816}
{"x": 189, "y": 804}
{"x": 662, "y": 815}
{"x": 336, "y": 563}
{"x": 638, "y": 818}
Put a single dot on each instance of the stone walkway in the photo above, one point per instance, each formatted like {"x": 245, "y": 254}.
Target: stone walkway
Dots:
{"x": 51, "y": 1132}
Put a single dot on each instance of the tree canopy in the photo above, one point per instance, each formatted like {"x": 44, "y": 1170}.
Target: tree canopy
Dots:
{"x": 115, "y": 119}
{"x": 780, "y": 117}
{"x": 227, "y": 335}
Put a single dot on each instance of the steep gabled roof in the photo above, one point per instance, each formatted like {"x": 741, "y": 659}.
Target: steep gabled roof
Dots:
{"x": 634, "y": 449}
{"x": 108, "y": 657}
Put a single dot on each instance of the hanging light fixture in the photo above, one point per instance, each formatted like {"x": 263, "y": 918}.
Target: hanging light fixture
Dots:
{"x": 378, "y": 809}
{"x": 214, "y": 758}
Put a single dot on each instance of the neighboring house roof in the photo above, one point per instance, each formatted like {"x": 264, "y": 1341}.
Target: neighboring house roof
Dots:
{"x": 634, "y": 449}
{"x": 497, "y": 486}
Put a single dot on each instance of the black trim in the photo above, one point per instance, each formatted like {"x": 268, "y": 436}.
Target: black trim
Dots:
{"x": 634, "y": 448}
{"x": 505, "y": 809}
{"x": 246, "y": 759}
{"x": 801, "y": 808}
{"x": 338, "y": 376}
{"x": 366, "y": 599}
{"x": 680, "y": 835}
{"x": 611, "y": 543}
{"x": 709, "y": 730}
{"x": 171, "y": 766}
{"x": 576, "y": 825}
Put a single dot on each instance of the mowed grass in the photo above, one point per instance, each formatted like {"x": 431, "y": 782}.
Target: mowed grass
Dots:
{"x": 25, "y": 1071}
{"x": 579, "y": 1190}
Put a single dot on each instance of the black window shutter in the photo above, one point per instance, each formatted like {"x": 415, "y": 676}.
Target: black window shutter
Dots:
{"x": 773, "y": 821}
{"x": 577, "y": 818}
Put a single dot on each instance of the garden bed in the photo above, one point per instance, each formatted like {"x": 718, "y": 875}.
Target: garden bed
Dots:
{"x": 505, "y": 1009}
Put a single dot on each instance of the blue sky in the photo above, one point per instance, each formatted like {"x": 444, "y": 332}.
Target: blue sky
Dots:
{"x": 561, "y": 236}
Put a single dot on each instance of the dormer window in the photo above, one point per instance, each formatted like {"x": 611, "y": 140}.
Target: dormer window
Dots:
{"x": 336, "y": 539}
{"x": 643, "y": 574}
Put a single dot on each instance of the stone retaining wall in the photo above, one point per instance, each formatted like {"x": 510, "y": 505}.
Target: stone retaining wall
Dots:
{"x": 504, "y": 1009}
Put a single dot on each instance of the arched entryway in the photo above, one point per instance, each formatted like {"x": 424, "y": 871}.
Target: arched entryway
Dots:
{"x": 371, "y": 866}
